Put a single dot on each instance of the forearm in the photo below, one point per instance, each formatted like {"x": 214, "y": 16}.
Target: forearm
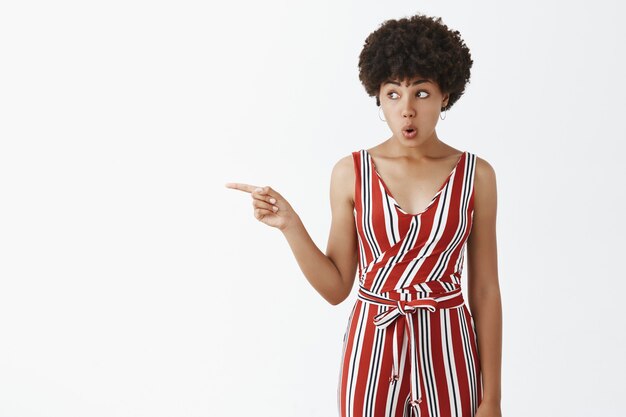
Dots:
{"x": 487, "y": 312}
{"x": 318, "y": 269}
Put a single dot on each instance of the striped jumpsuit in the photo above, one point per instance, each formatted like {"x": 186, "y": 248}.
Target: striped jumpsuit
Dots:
{"x": 410, "y": 346}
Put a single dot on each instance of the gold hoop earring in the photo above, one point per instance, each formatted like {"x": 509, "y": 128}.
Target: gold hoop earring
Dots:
{"x": 379, "y": 110}
{"x": 444, "y": 117}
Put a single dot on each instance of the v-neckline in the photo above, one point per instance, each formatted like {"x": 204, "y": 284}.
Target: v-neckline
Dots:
{"x": 432, "y": 200}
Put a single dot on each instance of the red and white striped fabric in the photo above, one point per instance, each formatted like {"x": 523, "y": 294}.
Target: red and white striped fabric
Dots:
{"x": 410, "y": 346}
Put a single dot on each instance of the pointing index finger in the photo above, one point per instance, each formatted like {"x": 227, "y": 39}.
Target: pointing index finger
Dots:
{"x": 244, "y": 187}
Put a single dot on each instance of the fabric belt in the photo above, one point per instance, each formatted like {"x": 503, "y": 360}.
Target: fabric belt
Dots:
{"x": 403, "y": 308}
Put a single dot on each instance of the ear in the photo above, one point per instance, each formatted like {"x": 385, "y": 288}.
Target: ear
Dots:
{"x": 446, "y": 99}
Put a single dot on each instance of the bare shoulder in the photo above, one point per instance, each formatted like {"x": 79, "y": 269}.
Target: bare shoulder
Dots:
{"x": 484, "y": 171}
{"x": 342, "y": 180}
{"x": 485, "y": 187}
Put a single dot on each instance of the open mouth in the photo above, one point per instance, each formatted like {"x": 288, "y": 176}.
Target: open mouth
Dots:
{"x": 409, "y": 132}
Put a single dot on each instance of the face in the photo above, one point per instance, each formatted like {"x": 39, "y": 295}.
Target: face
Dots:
{"x": 412, "y": 104}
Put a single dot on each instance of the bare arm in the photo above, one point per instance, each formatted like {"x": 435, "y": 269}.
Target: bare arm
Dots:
{"x": 483, "y": 286}
{"x": 331, "y": 274}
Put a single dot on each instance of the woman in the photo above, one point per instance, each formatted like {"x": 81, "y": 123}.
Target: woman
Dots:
{"x": 404, "y": 212}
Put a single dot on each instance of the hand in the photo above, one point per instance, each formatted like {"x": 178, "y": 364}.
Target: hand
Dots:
{"x": 269, "y": 206}
{"x": 488, "y": 409}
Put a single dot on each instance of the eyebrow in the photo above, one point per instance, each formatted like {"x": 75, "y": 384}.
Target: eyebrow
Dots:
{"x": 398, "y": 84}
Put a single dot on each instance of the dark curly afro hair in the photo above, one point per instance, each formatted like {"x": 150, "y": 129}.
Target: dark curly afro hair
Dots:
{"x": 415, "y": 46}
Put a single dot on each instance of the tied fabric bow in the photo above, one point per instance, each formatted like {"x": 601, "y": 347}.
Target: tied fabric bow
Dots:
{"x": 383, "y": 320}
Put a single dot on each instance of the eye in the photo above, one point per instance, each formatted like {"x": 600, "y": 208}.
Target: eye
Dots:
{"x": 420, "y": 91}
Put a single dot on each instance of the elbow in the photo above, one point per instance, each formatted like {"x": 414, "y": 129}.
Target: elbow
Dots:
{"x": 340, "y": 292}
{"x": 337, "y": 299}
{"x": 334, "y": 302}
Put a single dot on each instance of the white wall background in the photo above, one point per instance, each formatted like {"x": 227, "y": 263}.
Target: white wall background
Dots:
{"x": 133, "y": 283}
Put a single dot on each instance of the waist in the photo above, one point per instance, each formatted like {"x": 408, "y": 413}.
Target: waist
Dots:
{"x": 440, "y": 299}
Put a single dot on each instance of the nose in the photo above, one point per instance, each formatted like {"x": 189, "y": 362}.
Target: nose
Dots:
{"x": 407, "y": 110}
